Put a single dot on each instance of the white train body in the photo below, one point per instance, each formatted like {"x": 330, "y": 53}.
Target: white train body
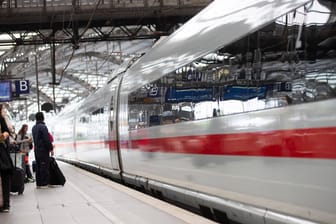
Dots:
{"x": 265, "y": 155}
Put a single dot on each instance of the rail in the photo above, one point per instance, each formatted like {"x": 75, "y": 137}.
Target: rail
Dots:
{"x": 109, "y": 3}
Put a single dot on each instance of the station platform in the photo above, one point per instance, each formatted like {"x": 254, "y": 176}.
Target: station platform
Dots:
{"x": 87, "y": 198}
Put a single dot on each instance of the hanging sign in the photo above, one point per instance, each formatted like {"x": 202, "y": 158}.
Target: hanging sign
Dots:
{"x": 21, "y": 87}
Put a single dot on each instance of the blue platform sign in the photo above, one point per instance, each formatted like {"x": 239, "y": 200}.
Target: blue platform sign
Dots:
{"x": 21, "y": 87}
{"x": 5, "y": 91}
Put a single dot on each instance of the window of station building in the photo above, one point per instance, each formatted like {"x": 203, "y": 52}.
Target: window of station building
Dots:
{"x": 290, "y": 61}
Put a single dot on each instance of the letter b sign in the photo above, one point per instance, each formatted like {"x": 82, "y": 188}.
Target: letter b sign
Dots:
{"x": 22, "y": 87}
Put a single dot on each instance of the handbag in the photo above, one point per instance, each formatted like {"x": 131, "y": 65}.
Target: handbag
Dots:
{"x": 13, "y": 147}
{"x": 6, "y": 163}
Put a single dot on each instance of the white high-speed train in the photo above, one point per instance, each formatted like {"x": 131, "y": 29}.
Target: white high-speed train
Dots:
{"x": 233, "y": 115}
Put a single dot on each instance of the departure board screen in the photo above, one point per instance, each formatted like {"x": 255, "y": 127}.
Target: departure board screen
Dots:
{"x": 5, "y": 91}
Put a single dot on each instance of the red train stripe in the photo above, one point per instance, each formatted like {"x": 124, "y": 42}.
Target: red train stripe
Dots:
{"x": 300, "y": 143}
{"x": 318, "y": 143}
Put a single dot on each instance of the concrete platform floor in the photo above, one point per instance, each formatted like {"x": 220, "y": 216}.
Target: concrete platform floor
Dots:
{"x": 90, "y": 199}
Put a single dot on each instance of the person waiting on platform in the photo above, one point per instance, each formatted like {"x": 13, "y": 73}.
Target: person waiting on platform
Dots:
{"x": 26, "y": 145}
{"x": 42, "y": 149}
{"x": 6, "y": 166}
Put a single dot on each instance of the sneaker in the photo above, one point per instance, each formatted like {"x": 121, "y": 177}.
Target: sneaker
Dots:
{"x": 30, "y": 180}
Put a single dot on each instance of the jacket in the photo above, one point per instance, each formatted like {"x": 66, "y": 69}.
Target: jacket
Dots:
{"x": 41, "y": 138}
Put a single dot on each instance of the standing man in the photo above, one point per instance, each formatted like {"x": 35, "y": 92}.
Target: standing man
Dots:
{"x": 43, "y": 147}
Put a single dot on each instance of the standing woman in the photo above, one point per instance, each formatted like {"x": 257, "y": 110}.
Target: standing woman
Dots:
{"x": 42, "y": 149}
{"x": 6, "y": 162}
{"x": 25, "y": 147}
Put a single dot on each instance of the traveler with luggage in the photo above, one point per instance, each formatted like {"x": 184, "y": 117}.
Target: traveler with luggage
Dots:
{"x": 18, "y": 173}
{"x": 26, "y": 145}
{"x": 42, "y": 149}
{"x": 6, "y": 164}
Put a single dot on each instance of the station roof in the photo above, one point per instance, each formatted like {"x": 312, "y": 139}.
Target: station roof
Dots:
{"x": 78, "y": 72}
{"x": 89, "y": 40}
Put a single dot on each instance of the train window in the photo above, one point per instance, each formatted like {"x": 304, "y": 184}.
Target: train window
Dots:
{"x": 290, "y": 61}
{"x": 93, "y": 117}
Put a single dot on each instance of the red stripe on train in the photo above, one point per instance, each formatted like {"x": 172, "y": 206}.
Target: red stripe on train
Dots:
{"x": 302, "y": 143}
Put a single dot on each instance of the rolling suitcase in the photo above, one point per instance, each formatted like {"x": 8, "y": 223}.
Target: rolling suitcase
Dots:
{"x": 17, "y": 181}
{"x": 56, "y": 175}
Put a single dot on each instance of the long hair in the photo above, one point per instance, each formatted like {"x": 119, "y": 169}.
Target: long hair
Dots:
{"x": 6, "y": 121}
{"x": 1, "y": 106}
{"x": 23, "y": 129}
{"x": 4, "y": 126}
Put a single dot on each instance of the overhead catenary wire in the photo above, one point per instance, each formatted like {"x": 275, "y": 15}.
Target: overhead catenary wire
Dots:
{"x": 76, "y": 40}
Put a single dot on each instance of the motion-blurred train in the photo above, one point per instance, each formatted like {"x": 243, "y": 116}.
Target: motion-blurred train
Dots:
{"x": 233, "y": 115}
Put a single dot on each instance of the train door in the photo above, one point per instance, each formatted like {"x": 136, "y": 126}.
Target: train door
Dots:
{"x": 113, "y": 127}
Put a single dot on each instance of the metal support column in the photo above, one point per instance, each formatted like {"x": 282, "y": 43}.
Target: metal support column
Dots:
{"x": 53, "y": 70}
{"x": 37, "y": 82}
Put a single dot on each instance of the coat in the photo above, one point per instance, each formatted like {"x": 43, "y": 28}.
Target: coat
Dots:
{"x": 42, "y": 143}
